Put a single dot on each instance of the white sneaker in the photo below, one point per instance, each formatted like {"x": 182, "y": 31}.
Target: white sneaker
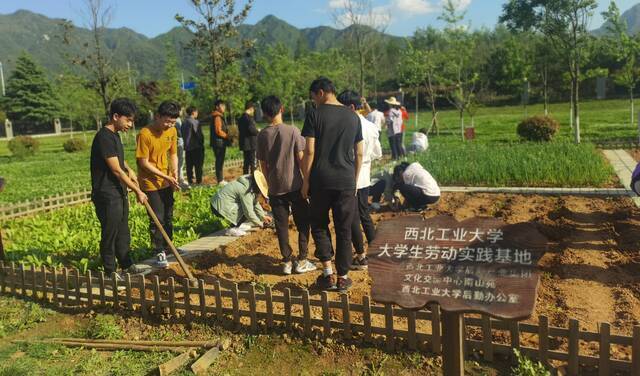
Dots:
{"x": 235, "y": 231}
{"x": 287, "y": 268}
{"x": 245, "y": 226}
{"x": 304, "y": 267}
{"x": 161, "y": 260}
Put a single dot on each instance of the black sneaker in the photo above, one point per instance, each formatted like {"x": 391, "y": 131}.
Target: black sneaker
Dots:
{"x": 360, "y": 264}
{"x": 327, "y": 283}
{"x": 344, "y": 284}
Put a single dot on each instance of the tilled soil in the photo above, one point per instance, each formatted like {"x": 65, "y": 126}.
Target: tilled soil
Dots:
{"x": 591, "y": 271}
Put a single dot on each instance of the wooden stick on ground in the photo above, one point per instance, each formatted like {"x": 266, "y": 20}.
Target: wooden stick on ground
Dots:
{"x": 176, "y": 363}
{"x": 110, "y": 346}
{"x": 183, "y": 265}
{"x": 205, "y": 344}
{"x": 201, "y": 365}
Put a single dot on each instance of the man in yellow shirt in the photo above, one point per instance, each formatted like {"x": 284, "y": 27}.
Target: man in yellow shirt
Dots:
{"x": 157, "y": 157}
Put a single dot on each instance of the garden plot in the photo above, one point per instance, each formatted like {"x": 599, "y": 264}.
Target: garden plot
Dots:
{"x": 589, "y": 272}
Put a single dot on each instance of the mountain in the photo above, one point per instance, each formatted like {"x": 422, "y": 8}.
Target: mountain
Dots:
{"x": 631, "y": 16}
{"x": 41, "y": 37}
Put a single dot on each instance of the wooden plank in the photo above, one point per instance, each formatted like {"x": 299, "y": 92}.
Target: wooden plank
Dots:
{"x": 115, "y": 295}
{"x": 65, "y": 286}
{"x": 176, "y": 363}
{"x": 23, "y": 281}
{"x": 89, "y": 279}
{"x": 218, "y": 295}
{"x": 77, "y": 286}
{"x": 269, "y": 303}
{"x": 34, "y": 288}
{"x": 604, "y": 352}
{"x": 235, "y": 301}
{"x": 346, "y": 316}
{"x": 306, "y": 313}
{"x": 635, "y": 352}
{"x": 103, "y": 298}
{"x": 326, "y": 318}
{"x": 200, "y": 366}
{"x": 43, "y": 272}
{"x": 514, "y": 330}
{"x": 388, "y": 323}
{"x": 574, "y": 349}
{"x": 127, "y": 285}
{"x": 187, "y": 299}
{"x": 487, "y": 339}
{"x": 453, "y": 346}
{"x": 543, "y": 340}
{"x": 436, "y": 329}
{"x": 287, "y": 308}
{"x": 142, "y": 296}
{"x": 412, "y": 341}
{"x": 156, "y": 295}
{"x": 55, "y": 286}
{"x": 366, "y": 317}
{"x": 202, "y": 298}
{"x": 172, "y": 297}
{"x": 252, "y": 308}
{"x": 3, "y": 278}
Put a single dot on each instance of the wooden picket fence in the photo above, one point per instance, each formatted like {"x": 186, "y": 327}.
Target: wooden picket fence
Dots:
{"x": 255, "y": 308}
{"x": 53, "y": 202}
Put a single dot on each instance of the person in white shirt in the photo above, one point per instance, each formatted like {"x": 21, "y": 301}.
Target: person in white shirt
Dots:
{"x": 376, "y": 117}
{"x": 419, "y": 142}
{"x": 416, "y": 185}
{"x": 394, "y": 128}
{"x": 372, "y": 151}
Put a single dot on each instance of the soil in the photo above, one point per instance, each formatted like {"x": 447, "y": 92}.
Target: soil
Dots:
{"x": 635, "y": 153}
{"x": 590, "y": 273}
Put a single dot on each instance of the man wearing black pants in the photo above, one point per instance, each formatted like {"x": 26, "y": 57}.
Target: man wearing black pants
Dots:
{"x": 332, "y": 162}
{"x": 157, "y": 157}
{"x": 110, "y": 178}
{"x": 247, "y": 138}
{"x": 280, "y": 150}
{"x": 416, "y": 185}
{"x": 219, "y": 139}
{"x": 193, "y": 145}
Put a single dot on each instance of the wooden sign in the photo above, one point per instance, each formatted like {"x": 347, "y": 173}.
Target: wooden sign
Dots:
{"x": 480, "y": 265}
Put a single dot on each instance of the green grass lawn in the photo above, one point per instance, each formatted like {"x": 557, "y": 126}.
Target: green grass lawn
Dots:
{"x": 52, "y": 170}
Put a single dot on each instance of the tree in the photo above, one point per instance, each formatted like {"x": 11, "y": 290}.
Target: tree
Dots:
{"x": 625, "y": 49}
{"x": 29, "y": 94}
{"x": 419, "y": 69}
{"x": 76, "y": 98}
{"x": 565, "y": 24}
{"x": 169, "y": 88}
{"x": 460, "y": 75}
{"x": 364, "y": 26}
{"x": 215, "y": 37}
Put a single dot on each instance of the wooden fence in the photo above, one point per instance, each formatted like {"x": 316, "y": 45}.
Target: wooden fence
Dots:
{"x": 263, "y": 308}
{"x": 53, "y": 202}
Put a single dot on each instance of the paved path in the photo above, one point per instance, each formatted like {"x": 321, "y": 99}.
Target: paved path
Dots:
{"x": 623, "y": 164}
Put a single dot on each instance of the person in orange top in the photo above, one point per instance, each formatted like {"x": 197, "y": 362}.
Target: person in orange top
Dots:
{"x": 157, "y": 157}
{"x": 219, "y": 138}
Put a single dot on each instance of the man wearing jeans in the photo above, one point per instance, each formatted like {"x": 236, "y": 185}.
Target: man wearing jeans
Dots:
{"x": 110, "y": 178}
{"x": 219, "y": 139}
{"x": 372, "y": 151}
{"x": 247, "y": 134}
{"x": 280, "y": 150}
{"x": 332, "y": 162}
{"x": 157, "y": 157}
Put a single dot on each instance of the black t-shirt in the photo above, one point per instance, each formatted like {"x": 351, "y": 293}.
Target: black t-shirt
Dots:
{"x": 336, "y": 130}
{"x": 106, "y": 144}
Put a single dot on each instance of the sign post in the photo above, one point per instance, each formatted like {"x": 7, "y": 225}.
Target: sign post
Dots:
{"x": 480, "y": 265}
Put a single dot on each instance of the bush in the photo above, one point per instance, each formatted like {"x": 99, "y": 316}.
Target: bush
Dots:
{"x": 73, "y": 145}
{"x": 526, "y": 367}
{"x": 538, "y": 128}
{"x": 23, "y": 146}
{"x": 104, "y": 327}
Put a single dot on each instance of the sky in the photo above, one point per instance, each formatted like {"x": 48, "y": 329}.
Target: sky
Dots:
{"x": 154, "y": 17}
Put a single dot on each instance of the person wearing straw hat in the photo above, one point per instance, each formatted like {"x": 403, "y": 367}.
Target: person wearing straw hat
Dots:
{"x": 237, "y": 202}
{"x": 394, "y": 128}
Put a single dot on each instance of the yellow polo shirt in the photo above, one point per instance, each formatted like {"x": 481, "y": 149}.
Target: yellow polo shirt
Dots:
{"x": 156, "y": 147}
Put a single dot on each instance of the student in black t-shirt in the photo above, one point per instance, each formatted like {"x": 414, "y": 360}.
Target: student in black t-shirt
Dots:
{"x": 332, "y": 160}
{"x": 110, "y": 178}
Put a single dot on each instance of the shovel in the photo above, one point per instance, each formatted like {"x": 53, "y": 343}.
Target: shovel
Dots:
{"x": 183, "y": 265}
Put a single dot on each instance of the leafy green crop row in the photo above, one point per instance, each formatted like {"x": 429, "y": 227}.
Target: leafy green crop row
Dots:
{"x": 517, "y": 165}
{"x": 72, "y": 234}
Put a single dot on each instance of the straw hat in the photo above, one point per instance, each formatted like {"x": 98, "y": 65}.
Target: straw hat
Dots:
{"x": 393, "y": 101}
{"x": 261, "y": 182}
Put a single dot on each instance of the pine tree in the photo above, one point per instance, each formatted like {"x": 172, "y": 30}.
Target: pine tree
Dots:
{"x": 29, "y": 95}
